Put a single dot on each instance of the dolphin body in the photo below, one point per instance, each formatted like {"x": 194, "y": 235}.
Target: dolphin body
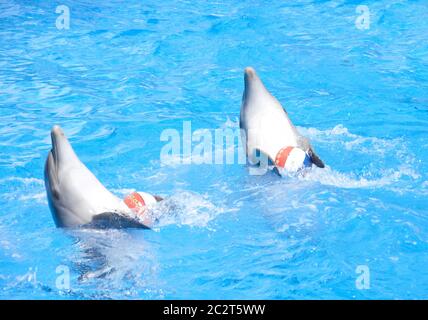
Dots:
{"x": 265, "y": 125}
{"x": 75, "y": 195}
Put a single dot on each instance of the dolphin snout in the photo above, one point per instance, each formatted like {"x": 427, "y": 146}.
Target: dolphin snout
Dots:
{"x": 61, "y": 148}
{"x": 249, "y": 72}
{"x": 56, "y": 131}
{"x": 56, "y": 135}
{"x": 251, "y": 82}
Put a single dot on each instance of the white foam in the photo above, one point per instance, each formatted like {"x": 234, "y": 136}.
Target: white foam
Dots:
{"x": 38, "y": 197}
{"x": 353, "y": 142}
{"x": 24, "y": 189}
{"x": 124, "y": 259}
{"x": 330, "y": 177}
{"x": 25, "y": 181}
{"x": 185, "y": 208}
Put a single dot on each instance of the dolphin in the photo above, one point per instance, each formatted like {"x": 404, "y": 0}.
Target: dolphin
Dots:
{"x": 268, "y": 132}
{"x": 76, "y": 197}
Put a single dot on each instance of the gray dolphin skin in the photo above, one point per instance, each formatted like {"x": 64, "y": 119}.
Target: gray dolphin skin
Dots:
{"x": 75, "y": 195}
{"x": 266, "y": 124}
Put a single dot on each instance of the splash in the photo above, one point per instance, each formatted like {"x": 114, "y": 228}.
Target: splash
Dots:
{"x": 185, "y": 208}
{"x": 122, "y": 263}
{"x": 330, "y": 177}
{"x": 374, "y": 171}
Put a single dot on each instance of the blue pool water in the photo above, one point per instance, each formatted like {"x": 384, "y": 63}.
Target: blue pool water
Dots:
{"x": 124, "y": 72}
